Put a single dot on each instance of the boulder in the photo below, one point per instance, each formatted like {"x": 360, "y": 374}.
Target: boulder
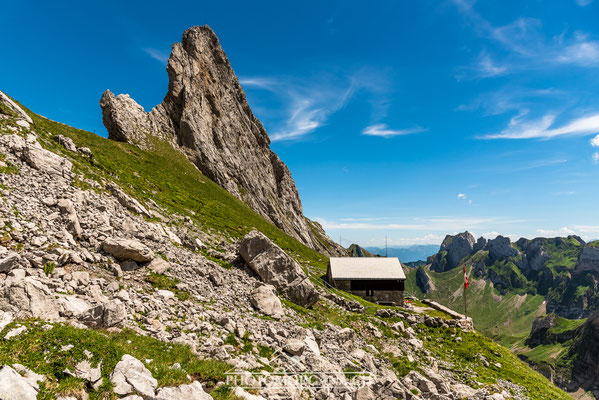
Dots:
{"x": 14, "y": 386}
{"x": 66, "y": 142}
{"x": 131, "y": 375}
{"x": 127, "y": 201}
{"x": 9, "y": 262}
{"x": 107, "y": 315}
{"x": 46, "y": 161}
{"x": 295, "y": 347}
{"x": 127, "y": 249}
{"x": 275, "y": 267}
{"x": 31, "y": 297}
{"x": 193, "y": 391}
{"x": 68, "y": 211}
{"x": 159, "y": 266}
{"x": 501, "y": 248}
{"x": 265, "y": 299}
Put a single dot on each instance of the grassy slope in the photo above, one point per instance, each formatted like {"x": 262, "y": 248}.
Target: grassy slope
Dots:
{"x": 44, "y": 351}
{"x": 507, "y": 319}
{"x": 166, "y": 177}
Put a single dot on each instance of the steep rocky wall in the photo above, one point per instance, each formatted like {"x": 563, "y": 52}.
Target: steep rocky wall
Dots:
{"x": 206, "y": 116}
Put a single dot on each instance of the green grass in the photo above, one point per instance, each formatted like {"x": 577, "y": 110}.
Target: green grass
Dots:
{"x": 563, "y": 324}
{"x": 506, "y": 318}
{"x": 41, "y": 351}
{"x": 167, "y": 177}
{"x": 9, "y": 168}
{"x": 466, "y": 359}
{"x": 163, "y": 282}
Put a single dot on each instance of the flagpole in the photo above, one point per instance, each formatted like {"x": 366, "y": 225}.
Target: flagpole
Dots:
{"x": 465, "y": 307}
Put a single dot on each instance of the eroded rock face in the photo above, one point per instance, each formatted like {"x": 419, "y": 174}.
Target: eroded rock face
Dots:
{"x": 423, "y": 281}
{"x": 275, "y": 267}
{"x": 588, "y": 259}
{"x": 452, "y": 250}
{"x": 205, "y": 114}
{"x": 500, "y": 248}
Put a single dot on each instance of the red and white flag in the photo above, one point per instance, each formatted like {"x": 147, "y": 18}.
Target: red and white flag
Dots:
{"x": 466, "y": 281}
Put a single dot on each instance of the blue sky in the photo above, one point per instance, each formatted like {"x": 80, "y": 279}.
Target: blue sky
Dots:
{"x": 397, "y": 118}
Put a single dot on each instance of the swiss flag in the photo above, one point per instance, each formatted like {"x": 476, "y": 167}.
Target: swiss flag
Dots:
{"x": 466, "y": 281}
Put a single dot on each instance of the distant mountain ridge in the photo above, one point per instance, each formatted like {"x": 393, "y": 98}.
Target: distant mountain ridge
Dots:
{"x": 407, "y": 254}
{"x": 530, "y": 295}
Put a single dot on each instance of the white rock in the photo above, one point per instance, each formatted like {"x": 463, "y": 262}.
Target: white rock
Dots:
{"x": 131, "y": 375}
{"x": 265, "y": 299}
{"x": 193, "y": 391}
{"x": 13, "y": 386}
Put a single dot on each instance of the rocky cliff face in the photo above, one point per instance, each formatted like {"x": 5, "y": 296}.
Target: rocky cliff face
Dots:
{"x": 205, "y": 114}
{"x": 452, "y": 251}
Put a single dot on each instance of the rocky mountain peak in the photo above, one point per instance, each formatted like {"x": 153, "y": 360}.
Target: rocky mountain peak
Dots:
{"x": 206, "y": 116}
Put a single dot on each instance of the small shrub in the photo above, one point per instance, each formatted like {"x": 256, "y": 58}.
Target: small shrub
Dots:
{"x": 49, "y": 267}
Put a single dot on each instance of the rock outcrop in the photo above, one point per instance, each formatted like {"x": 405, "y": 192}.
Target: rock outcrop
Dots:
{"x": 276, "y": 268}
{"x": 206, "y": 116}
{"x": 424, "y": 281}
{"x": 452, "y": 251}
{"x": 500, "y": 248}
{"x": 588, "y": 259}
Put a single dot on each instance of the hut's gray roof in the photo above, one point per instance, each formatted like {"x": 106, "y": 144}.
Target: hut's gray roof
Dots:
{"x": 366, "y": 268}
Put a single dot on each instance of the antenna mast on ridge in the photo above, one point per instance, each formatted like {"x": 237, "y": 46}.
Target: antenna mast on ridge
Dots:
{"x": 386, "y": 246}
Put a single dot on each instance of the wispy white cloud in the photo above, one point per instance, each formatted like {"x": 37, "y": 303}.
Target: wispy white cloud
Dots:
{"x": 488, "y": 67}
{"x": 157, "y": 54}
{"x": 462, "y": 196}
{"x": 583, "y": 52}
{"x": 527, "y": 47}
{"x": 563, "y": 231}
{"x": 427, "y": 224}
{"x": 595, "y": 141}
{"x": 383, "y": 130}
{"x": 583, "y": 3}
{"x": 307, "y": 105}
{"x": 519, "y": 128}
{"x": 596, "y": 157}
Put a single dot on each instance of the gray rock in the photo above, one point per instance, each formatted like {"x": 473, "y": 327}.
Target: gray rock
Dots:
{"x": 68, "y": 211}
{"x": 46, "y": 161}
{"x": 275, "y": 267}
{"x": 295, "y": 347}
{"x": 18, "y": 111}
{"x": 127, "y": 201}
{"x": 159, "y": 266}
{"x": 9, "y": 262}
{"x": 14, "y": 386}
{"x": 127, "y": 249}
{"x": 66, "y": 142}
{"x": 265, "y": 299}
{"x": 193, "y": 391}
{"x": 588, "y": 259}
{"x": 30, "y": 296}
{"x": 131, "y": 375}
{"x": 455, "y": 249}
{"x": 500, "y": 248}
{"x": 206, "y": 114}
{"x": 112, "y": 313}
{"x": 480, "y": 244}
